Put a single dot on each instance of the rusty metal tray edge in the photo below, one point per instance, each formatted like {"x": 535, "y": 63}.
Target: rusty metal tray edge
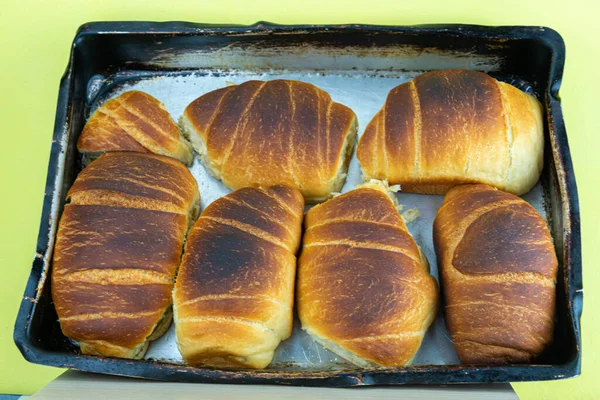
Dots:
{"x": 408, "y": 375}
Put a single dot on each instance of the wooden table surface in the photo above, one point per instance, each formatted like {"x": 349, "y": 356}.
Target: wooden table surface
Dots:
{"x": 87, "y": 386}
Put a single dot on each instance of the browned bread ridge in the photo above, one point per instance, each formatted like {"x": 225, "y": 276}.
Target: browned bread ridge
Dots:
{"x": 133, "y": 121}
{"x": 117, "y": 251}
{"x": 279, "y": 132}
{"x": 451, "y": 127}
{"x": 364, "y": 289}
{"x": 234, "y": 293}
{"x": 498, "y": 270}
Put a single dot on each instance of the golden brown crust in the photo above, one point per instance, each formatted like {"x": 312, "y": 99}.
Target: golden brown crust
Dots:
{"x": 498, "y": 269}
{"x": 234, "y": 294}
{"x": 363, "y": 289}
{"x": 93, "y": 236}
{"x": 130, "y": 180}
{"x": 133, "y": 121}
{"x": 115, "y": 261}
{"x": 508, "y": 239}
{"x": 203, "y": 111}
{"x": 102, "y": 133}
{"x": 273, "y": 133}
{"x": 452, "y": 127}
{"x": 351, "y": 207}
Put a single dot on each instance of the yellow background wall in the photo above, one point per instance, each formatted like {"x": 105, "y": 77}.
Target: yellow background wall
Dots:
{"x": 35, "y": 38}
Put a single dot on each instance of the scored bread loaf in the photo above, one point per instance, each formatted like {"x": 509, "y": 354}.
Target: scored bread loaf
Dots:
{"x": 279, "y": 132}
{"x": 498, "y": 271}
{"x": 451, "y": 127}
{"x": 133, "y": 121}
{"x": 364, "y": 290}
{"x": 234, "y": 294}
{"x": 118, "y": 247}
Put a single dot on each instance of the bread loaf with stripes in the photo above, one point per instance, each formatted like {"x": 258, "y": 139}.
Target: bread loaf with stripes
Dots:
{"x": 133, "y": 121}
{"x": 451, "y": 127}
{"x": 498, "y": 268}
{"x": 234, "y": 294}
{"x": 118, "y": 248}
{"x": 364, "y": 290}
{"x": 280, "y": 132}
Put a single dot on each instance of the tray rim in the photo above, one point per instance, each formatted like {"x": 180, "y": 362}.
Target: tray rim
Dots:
{"x": 410, "y": 375}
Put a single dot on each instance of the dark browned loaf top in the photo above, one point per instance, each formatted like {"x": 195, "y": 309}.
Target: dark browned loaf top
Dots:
{"x": 280, "y": 132}
{"x": 118, "y": 247}
{"x": 498, "y": 268}
{"x": 451, "y": 127}
{"x": 364, "y": 290}
{"x": 234, "y": 293}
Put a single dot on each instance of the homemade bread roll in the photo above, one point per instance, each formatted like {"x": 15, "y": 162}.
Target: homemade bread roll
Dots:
{"x": 234, "y": 293}
{"x": 279, "y": 132}
{"x": 364, "y": 289}
{"x": 446, "y": 128}
{"x": 498, "y": 270}
{"x": 117, "y": 250}
{"x": 133, "y": 121}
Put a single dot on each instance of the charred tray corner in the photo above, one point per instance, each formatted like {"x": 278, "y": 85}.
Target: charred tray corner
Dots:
{"x": 108, "y": 55}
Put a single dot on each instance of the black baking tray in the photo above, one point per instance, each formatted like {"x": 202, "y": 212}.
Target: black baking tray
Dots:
{"x": 102, "y": 49}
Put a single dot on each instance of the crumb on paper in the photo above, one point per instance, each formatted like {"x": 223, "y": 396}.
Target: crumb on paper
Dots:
{"x": 411, "y": 214}
{"x": 230, "y": 83}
